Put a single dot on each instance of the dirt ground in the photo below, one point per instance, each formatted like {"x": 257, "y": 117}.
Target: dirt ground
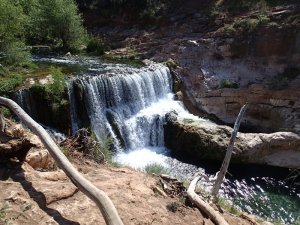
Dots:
{"x": 29, "y": 197}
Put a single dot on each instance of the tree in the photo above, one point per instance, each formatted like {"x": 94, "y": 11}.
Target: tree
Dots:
{"x": 59, "y": 22}
{"x": 12, "y": 24}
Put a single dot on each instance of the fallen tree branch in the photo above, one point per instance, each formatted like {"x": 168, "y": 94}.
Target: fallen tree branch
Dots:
{"x": 204, "y": 206}
{"x": 226, "y": 161}
{"x": 2, "y": 122}
{"x": 101, "y": 199}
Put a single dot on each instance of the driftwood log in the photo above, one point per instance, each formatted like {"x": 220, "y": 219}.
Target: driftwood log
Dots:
{"x": 226, "y": 161}
{"x": 101, "y": 199}
{"x": 204, "y": 206}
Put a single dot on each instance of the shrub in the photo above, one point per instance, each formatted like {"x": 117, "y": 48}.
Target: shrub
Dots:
{"x": 96, "y": 46}
{"x": 226, "y": 83}
{"x": 155, "y": 168}
{"x": 58, "y": 86}
{"x": 9, "y": 82}
{"x": 263, "y": 19}
{"x": 227, "y": 205}
{"x": 100, "y": 151}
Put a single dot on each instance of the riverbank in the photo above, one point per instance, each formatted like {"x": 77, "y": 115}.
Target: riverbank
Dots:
{"x": 45, "y": 195}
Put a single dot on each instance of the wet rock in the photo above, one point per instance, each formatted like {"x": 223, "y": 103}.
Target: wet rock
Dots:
{"x": 171, "y": 116}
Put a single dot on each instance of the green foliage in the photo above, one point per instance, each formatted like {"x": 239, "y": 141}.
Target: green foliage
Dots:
{"x": 127, "y": 59}
{"x": 171, "y": 64}
{"x": 155, "y": 168}
{"x": 9, "y": 81}
{"x": 3, "y": 219}
{"x": 5, "y": 112}
{"x": 12, "y": 24}
{"x": 296, "y": 222}
{"x": 227, "y": 83}
{"x": 294, "y": 19}
{"x": 100, "y": 151}
{"x": 263, "y": 19}
{"x": 22, "y": 22}
{"x": 54, "y": 91}
{"x": 96, "y": 46}
{"x": 245, "y": 25}
{"x": 67, "y": 152}
{"x": 58, "y": 22}
{"x": 228, "y": 206}
{"x": 58, "y": 87}
{"x": 240, "y": 6}
{"x": 15, "y": 53}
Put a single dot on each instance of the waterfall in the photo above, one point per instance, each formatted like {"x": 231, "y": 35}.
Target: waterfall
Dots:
{"x": 117, "y": 104}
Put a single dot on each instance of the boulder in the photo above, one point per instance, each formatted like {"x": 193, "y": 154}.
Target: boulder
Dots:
{"x": 40, "y": 160}
{"x": 206, "y": 140}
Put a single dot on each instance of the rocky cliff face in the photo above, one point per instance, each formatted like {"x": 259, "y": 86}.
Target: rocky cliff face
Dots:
{"x": 220, "y": 75}
{"x": 228, "y": 60}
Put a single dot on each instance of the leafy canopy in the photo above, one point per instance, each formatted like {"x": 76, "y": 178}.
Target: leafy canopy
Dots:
{"x": 22, "y": 22}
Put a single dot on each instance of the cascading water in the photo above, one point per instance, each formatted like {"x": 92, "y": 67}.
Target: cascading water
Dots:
{"x": 130, "y": 105}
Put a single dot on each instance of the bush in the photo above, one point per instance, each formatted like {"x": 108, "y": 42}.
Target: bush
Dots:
{"x": 101, "y": 150}
{"x": 96, "y": 46}
{"x": 226, "y": 83}
{"x": 9, "y": 82}
{"x": 263, "y": 19}
{"x": 58, "y": 87}
{"x": 155, "y": 168}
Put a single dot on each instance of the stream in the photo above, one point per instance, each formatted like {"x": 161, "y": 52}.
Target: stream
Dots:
{"x": 130, "y": 104}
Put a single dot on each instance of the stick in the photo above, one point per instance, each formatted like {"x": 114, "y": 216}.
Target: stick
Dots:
{"x": 202, "y": 205}
{"x": 227, "y": 158}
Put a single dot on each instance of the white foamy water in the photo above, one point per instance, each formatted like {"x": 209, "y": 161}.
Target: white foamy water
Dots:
{"x": 140, "y": 158}
{"x": 140, "y": 154}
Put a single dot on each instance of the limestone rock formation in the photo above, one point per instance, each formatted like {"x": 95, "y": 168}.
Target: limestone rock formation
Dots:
{"x": 206, "y": 140}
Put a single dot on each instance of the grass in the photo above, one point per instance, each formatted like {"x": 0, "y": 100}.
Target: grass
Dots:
{"x": 3, "y": 220}
{"x": 9, "y": 80}
{"x": 297, "y": 222}
{"x": 225, "y": 204}
{"x": 155, "y": 168}
{"x": 129, "y": 57}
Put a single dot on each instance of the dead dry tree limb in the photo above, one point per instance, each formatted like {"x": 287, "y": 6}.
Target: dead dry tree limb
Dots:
{"x": 204, "y": 206}
{"x": 102, "y": 200}
{"x": 2, "y": 122}
{"x": 226, "y": 161}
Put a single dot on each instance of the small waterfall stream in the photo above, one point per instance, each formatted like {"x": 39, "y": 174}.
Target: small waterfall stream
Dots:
{"x": 129, "y": 104}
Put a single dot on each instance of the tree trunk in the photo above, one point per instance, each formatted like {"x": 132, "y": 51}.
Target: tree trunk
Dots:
{"x": 202, "y": 205}
{"x": 227, "y": 158}
{"x": 103, "y": 202}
